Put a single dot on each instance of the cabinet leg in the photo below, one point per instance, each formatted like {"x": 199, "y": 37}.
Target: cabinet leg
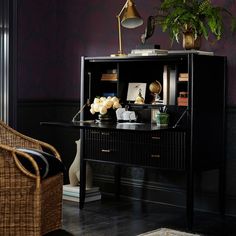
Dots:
{"x": 190, "y": 200}
{"x": 82, "y": 184}
{"x": 117, "y": 181}
{"x": 222, "y": 190}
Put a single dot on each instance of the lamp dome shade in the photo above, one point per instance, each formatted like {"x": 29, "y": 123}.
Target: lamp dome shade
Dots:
{"x": 131, "y": 18}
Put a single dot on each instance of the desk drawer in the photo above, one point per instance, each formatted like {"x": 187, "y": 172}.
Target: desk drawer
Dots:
{"x": 103, "y": 151}
{"x": 108, "y": 146}
{"x": 163, "y": 150}
{"x": 107, "y": 135}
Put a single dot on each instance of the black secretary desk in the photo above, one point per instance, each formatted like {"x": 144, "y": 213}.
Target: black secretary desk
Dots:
{"x": 193, "y": 142}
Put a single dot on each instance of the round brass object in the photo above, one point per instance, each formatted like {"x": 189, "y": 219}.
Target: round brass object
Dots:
{"x": 155, "y": 88}
{"x": 190, "y": 42}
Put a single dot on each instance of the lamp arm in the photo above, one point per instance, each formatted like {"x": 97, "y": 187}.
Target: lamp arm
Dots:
{"x": 119, "y": 35}
{"x": 81, "y": 109}
{"x": 125, "y": 6}
{"x": 132, "y": 20}
{"x": 120, "y": 52}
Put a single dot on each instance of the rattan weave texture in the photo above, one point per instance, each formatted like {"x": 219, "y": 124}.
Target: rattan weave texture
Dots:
{"x": 29, "y": 206}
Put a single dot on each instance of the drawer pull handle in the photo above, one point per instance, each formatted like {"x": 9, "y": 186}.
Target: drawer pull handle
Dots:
{"x": 106, "y": 150}
{"x": 94, "y": 132}
{"x": 156, "y": 137}
{"x": 156, "y": 155}
{"x": 104, "y": 133}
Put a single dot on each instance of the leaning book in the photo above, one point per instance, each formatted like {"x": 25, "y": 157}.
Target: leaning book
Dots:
{"x": 87, "y": 199}
{"x": 75, "y": 189}
{"x": 72, "y": 193}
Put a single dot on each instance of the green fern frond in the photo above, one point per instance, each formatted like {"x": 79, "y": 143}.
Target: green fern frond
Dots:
{"x": 199, "y": 16}
{"x": 233, "y": 25}
{"x": 203, "y": 30}
{"x": 204, "y": 6}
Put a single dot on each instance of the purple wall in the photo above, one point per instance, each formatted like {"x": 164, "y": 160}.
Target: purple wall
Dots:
{"x": 54, "y": 34}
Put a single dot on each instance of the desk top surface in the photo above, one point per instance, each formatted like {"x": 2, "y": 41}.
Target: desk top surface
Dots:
{"x": 107, "y": 125}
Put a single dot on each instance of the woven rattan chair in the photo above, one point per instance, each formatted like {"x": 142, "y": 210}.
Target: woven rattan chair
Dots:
{"x": 29, "y": 205}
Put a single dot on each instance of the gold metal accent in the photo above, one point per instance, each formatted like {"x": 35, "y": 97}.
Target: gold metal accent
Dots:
{"x": 190, "y": 42}
{"x": 155, "y": 87}
{"x": 139, "y": 99}
{"x": 106, "y": 150}
{"x": 156, "y": 155}
{"x": 94, "y": 132}
{"x": 105, "y": 133}
{"x": 130, "y": 19}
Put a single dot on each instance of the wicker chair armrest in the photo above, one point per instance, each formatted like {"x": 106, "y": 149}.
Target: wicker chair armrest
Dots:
{"x": 14, "y": 152}
{"x": 37, "y": 143}
{"x": 48, "y": 147}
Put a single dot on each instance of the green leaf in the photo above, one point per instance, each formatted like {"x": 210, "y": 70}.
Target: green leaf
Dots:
{"x": 199, "y": 16}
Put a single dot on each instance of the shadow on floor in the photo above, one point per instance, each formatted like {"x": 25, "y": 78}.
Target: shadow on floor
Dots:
{"x": 59, "y": 232}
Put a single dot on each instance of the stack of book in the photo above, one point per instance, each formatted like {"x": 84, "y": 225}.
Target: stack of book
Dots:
{"x": 182, "y": 100}
{"x": 110, "y": 75}
{"x": 183, "y": 76}
{"x": 191, "y": 51}
{"x": 148, "y": 52}
{"x": 72, "y": 193}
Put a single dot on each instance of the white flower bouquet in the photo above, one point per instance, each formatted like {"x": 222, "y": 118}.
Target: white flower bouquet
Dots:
{"x": 103, "y": 105}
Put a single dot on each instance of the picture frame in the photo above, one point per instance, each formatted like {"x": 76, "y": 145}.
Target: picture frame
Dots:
{"x": 133, "y": 90}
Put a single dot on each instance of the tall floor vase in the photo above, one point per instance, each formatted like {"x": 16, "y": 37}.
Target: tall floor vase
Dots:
{"x": 74, "y": 170}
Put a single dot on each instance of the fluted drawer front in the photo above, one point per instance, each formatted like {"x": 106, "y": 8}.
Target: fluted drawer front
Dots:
{"x": 174, "y": 152}
{"x": 110, "y": 146}
{"x": 164, "y": 150}
{"x": 100, "y": 150}
{"x": 109, "y": 135}
{"x": 95, "y": 134}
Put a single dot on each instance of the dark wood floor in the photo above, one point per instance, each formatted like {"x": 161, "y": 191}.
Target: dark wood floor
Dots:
{"x": 110, "y": 217}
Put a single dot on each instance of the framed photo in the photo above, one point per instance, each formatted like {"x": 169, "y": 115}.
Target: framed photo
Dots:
{"x": 133, "y": 90}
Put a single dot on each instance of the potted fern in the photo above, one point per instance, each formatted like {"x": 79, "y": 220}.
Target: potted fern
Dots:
{"x": 193, "y": 19}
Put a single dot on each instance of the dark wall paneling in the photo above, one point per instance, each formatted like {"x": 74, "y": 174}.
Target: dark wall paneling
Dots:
{"x": 135, "y": 182}
{"x": 30, "y": 114}
{"x": 231, "y": 161}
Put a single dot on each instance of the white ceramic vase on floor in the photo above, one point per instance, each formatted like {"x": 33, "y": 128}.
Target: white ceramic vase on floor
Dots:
{"x": 74, "y": 170}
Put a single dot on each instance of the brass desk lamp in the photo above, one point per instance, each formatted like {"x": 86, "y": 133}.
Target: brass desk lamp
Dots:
{"x": 128, "y": 18}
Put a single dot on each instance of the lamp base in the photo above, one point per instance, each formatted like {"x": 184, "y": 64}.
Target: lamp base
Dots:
{"x": 118, "y": 55}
